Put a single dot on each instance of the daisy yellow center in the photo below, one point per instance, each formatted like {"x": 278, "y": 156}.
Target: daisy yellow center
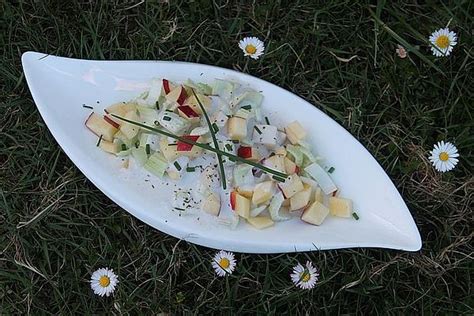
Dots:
{"x": 305, "y": 276}
{"x": 224, "y": 263}
{"x": 250, "y": 49}
{"x": 444, "y": 156}
{"x": 442, "y": 41}
{"x": 104, "y": 281}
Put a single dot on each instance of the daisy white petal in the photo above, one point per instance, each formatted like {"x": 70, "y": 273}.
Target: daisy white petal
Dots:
{"x": 252, "y": 47}
{"x": 306, "y": 276}
{"x": 443, "y": 156}
{"x": 442, "y": 42}
{"x": 103, "y": 281}
{"x": 224, "y": 263}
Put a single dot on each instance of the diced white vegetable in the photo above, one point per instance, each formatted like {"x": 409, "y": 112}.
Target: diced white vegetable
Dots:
{"x": 219, "y": 118}
{"x": 266, "y": 135}
{"x": 275, "y": 208}
{"x": 260, "y": 222}
{"x": 248, "y": 98}
{"x": 281, "y": 138}
{"x": 243, "y": 175}
{"x": 156, "y": 165}
{"x": 340, "y": 207}
{"x": 315, "y": 213}
{"x": 154, "y": 92}
{"x": 245, "y": 114}
{"x": 173, "y": 122}
{"x": 200, "y": 130}
{"x": 321, "y": 177}
{"x": 209, "y": 180}
{"x": 153, "y": 140}
{"x": 139, "y": 154}
{"x": 295, "y": 153}
{"x": 223, "y": 88}
{"x": 128, "y": 129}
{"x": 258, "y": 210}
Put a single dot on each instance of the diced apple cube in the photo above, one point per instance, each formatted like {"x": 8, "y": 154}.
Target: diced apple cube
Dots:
{"x": 315, "y": 213}
{"x": 167, "y": 86}
{"x": 266, "y": 135}
{"x": 285, "y": 203}
{"x": 280, "y": 151}
{"x": 290, "y": 166}
{"x": 246, "y": 191}
{"x": 212, "y": 204}
{"x": 169, "y": 151}
{"x": 340, "y": 207}
{"x": 318, "y": 195}
{"x": 99, "y": 126}
{"x": 109, "y": 147}
{"x": 173, "y": 174}
{"x": 263, "y": 192}
{"x": 177, "y": 95}
{"x": 194, "y": 104}
{"x": 130, "y": 130}
{"x": 275, "y": 162}
{"x": 242, "y": 206}
{"x": 189, "y": 150}
{"x": 120, "y": 108}
{"x": 260, "y": 222}
{"x": 237, "y": 128}
{"x": 300, "y": 199}
{"x": 291, "y": 186}
{"x": 187, "y": 112}
{"x": 295, "y": 132}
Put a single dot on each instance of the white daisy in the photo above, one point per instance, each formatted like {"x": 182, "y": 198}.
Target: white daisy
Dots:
{"x": 443, "y": 41}
{"x": 224, "y": 262}
{"x": 252, "y": 46}
{"x": 444, "y": 156}
{"x": 305, "y": 277}
{"x": 103, "y": 281}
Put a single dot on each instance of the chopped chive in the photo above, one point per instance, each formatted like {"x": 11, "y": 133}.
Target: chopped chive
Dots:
{"x": 257, "y": 129}
{"x": 179, "y": 208}
{"x": 354, "y": 214}
{"x": 229, "y": 147}
{"x": 166, "y": 118}
{"x": 267, "y": 120}
{"x": 124, "y": 147}
{"x": 157, "y": 104}
{"x": 190, "y": 169}
{"x": 247, "y": 107}
{"x": 235, "y": 141}
{"x": 177, "y": 165}
{"x": 168, "y": 110}
{"x": 331, "y": 170}
{"x": 147, "y": 149}
{"x": 156, "y": 123}
{"x": 232, "y": 159}
{"x": 278, "y": 179}
{"x": 100, "y": 139}
{"x": 215, "y": 127}
{"x": 172, "y": 144}
{"x": 87, "y": 106}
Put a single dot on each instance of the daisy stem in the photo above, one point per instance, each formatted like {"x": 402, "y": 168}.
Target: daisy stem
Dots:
{"x": 214, "y": 140}
{"x": 205, "y": 146}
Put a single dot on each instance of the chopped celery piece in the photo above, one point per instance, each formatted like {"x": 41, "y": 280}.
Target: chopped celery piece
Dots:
{"x": 156, "y": 165}
{"x": 296, "y": 153}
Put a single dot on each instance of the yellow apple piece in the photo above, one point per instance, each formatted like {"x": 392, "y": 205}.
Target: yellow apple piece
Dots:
{"x": 340, "y": 207}
{"x": 315, "y": 213}
{"x": 260, "y": 222}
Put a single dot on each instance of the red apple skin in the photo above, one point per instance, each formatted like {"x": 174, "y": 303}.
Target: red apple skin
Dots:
{"x": 111, "y": 122}
{"x": 182, "y": 97}
{"x": 297, "y": 170}
{"x": 166, "y": 86}
{"x": 182, "y": 146}
{"x": 87, "y": 120}
{"x": 232, "y": 199}
{"x": 244, "y": 152}
{"x": 278, "y": 186}
{"x": 188, "y": 111}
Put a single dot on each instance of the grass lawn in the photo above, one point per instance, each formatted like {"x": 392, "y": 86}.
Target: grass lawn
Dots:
{"x": 56, "y": 228}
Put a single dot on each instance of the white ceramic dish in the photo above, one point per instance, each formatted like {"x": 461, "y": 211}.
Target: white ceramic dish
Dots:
{"x": 61, "y": 85}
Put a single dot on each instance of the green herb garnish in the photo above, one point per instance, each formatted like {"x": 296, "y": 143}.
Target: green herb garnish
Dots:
{"x": 100, "y": 139}
{"x": 179, "y": 208}
{"x": 354, "y": 214}
{"x": 257, "y": 129}
{"x": 214, "y": 139}
{"x": 147, "y": 149}
{"x": 206, "y": 147}
{"x": 229, "y": 147}
{"x": 267, "y": 120}
{"x": 87, "y": 106}
{"x": 246, "y": 107}
{"x": 177, "y": 165}
{"x": 157, "y": 104}
{"x": 124, "y": 147}
{"x": 215, "y": 127}
{"x": 166, "y": 118}
{"x": 235, "y": 141}
{"x": 331, "y": 170}
{"x": 190, "y": 169}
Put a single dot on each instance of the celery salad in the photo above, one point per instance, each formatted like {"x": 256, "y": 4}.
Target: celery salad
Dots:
{"x": 246, "y": 169}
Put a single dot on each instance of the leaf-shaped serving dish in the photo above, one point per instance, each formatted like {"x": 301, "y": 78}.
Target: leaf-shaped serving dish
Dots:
{"x": 61, "y": 85}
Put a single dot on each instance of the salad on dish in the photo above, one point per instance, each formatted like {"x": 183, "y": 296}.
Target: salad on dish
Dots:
{"x": 258, "y": 172}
